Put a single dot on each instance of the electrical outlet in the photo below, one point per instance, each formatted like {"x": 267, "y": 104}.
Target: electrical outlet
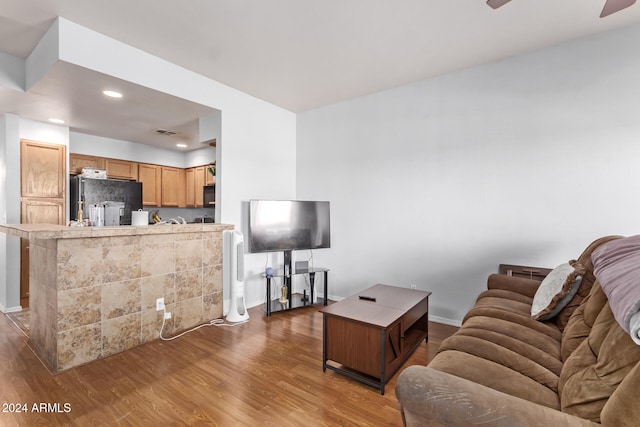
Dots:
{"x": 167, "y": 315}
{"x": 413, "y": 286}
{"x": 160, "y": 304}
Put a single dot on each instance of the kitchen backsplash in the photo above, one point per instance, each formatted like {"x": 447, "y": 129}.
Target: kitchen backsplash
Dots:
{"x": 189, "y": 214}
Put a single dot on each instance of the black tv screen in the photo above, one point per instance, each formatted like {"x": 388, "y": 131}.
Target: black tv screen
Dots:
{"x": 284, "y": 225}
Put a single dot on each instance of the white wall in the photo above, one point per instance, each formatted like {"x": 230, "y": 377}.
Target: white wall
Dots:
{"x": 523, "y": 161}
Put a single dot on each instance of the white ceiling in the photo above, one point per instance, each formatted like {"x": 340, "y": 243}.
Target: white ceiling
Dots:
{"x": 298, "y": 54}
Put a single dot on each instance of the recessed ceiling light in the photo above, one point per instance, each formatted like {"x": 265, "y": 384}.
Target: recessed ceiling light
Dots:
{"x": 56, "y": 121}
{"x": 112, "y": 94}
{"x": 181, "y": 145}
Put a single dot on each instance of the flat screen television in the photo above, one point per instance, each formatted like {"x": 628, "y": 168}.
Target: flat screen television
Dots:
{"x": 288, "y": 225}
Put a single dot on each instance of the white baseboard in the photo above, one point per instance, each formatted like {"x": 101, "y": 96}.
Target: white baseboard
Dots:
{"x": 15, "y": 309}
{"x": 450, "y": 322}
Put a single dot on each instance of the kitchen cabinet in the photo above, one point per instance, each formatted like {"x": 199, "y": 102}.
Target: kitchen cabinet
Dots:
{"x": 182, "y": 197}
{"x": 198, "y": 181}
{"x": 161, "y": 185}
{"x": 35, "y": 211}
{"x": 43, "y": 186}
{"x": 190, "y": 194}
{"x": 79, "y": 161}
{"x": 151, "y": 178}
{"x": 121, "y": 169}
{"x": 42, "y": 170}
{"x": 209, "y": 179}
{"x": 41, "y": 211}
{"x": 195, "y": 181}
{"x": 171, "y": 187}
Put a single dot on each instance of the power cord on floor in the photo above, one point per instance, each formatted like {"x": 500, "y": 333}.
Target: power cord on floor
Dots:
{"x": 214, "y": 322}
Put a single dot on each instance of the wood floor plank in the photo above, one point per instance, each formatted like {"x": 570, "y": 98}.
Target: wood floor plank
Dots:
{"x": 265, "y": 372}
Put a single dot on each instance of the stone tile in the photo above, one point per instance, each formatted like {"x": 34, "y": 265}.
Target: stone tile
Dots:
{"x": 121, "y": 333}
{"x": 212, "y": 279}
{"x": 212, "y": 306}
{"x": 186, "y": 314}
{"x": 121, "y": 298}
{"x": 112, "y": 231}
{"x": 188, "y": 284}
{"x": 212, "y": 250}
{"x": 156, "y": 239}
{"x": 78, "y": 307}
{"x": 157, "y": 255}
{"x": 151, "y": 324}
{"x": 121, "y": 262}
{"x": 79, "y": 345}
{"x": 188, "y": 232}
{"x": 79, "y": 266}
{"x": 154, "y": 287}
{"x": 188, "y": 254}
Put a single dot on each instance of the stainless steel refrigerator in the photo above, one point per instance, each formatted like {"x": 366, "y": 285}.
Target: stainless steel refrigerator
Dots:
{"x": 118, "y": 197}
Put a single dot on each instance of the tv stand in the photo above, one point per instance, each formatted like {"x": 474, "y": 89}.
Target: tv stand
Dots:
{"x": 294, "y": 300}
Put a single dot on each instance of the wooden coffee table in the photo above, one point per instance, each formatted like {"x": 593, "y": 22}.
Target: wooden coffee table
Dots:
{"x": 368, "y": 340}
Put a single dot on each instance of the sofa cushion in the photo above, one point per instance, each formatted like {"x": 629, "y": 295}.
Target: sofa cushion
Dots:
{"x": 504, "y": 340}
{"x": 580, "y": 324}
{"x": 507, "y": 351}
{"x": 595, "y": 369}
{"x": 623, "y": 406}
{"x": 587, "y": 282}
{"x": 557, "y": 290}
{"x": 493, "y": 305}
{"x": 495, "y": 376}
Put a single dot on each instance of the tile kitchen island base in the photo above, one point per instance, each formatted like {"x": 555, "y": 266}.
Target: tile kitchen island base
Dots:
{"x": 93, "y": 290}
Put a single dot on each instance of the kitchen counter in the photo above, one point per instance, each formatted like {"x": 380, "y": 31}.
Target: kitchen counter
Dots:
{"x": 52, "y": 231}
{"x": 93, "y": 290}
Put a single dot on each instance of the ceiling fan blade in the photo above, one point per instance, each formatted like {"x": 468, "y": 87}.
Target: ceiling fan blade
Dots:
{"x": 499, "y": 3}
{"x": 613, "y": 6}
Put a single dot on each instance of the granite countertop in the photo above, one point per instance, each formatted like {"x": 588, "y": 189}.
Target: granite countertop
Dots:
{"x": 53, "y": 231}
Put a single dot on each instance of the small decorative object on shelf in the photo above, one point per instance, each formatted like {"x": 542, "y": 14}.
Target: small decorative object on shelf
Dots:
{"x": 211, "y": 168}
{"x": 283, "y": 298}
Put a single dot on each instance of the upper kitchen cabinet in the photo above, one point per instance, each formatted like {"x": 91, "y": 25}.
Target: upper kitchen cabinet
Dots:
{"x": 151, "y": 178}
{"x": 121, "y": 169}
{"x": 173, "y": 187}
{"x": 42, "y": 170}
{"x": 199, "y": 179}
{"x": 209, "y": 178}
{"x": 195, "y": 181}
{"x": 190, "y": 187}
{"x": 77, "y": 162}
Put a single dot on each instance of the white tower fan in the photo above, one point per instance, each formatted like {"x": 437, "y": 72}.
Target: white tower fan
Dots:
{"x": 233, "y": 275}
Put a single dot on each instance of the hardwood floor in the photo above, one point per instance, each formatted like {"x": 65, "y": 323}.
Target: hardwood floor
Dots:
{"x": 265, "y": 372}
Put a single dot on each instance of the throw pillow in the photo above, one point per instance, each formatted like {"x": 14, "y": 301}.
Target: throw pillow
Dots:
{"x": 557, "y": 290}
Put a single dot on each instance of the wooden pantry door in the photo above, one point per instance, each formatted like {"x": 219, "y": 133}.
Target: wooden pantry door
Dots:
{"x": 43, "y": 187}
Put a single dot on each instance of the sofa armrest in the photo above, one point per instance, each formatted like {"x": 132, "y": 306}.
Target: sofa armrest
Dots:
{"x": 429, "y": 397}
{"x": 520, "y": 285}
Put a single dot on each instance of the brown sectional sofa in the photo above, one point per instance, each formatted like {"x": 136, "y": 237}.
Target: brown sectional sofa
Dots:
{"x": 503, "y": 368}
